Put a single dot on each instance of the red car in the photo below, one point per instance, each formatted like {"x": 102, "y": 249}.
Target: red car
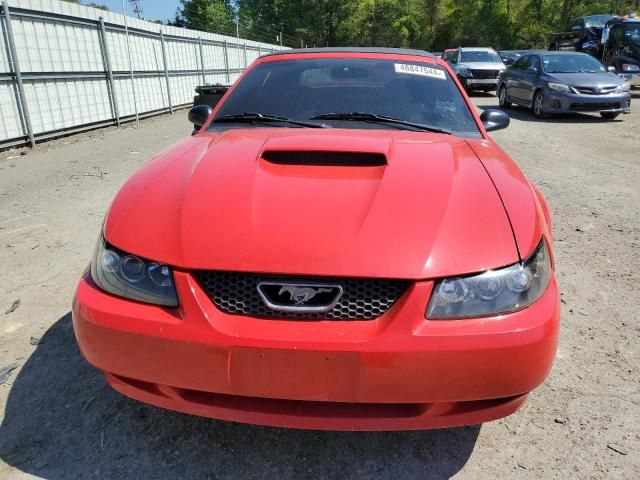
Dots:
{"x": 340, "y": 246}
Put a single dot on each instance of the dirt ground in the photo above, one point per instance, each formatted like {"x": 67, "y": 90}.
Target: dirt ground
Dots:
{"x": 61, "y": 421}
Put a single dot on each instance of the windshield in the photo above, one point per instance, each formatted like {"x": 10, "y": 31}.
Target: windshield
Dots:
{"x": 479, "y": 57}
{"x": 597, "y": 21}
{"x": 421, "y": 93}
{"x": 571, "y": 64}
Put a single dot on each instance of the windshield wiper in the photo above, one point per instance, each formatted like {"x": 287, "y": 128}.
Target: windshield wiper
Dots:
{"x": 255, "y": 117}
{"x": 373, "y": 117}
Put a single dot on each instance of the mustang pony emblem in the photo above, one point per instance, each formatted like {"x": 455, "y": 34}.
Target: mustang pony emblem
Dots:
{"x": 301, "y": 295}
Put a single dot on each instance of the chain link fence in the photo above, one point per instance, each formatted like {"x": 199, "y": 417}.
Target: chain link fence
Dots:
{"x": 66, "y": 68}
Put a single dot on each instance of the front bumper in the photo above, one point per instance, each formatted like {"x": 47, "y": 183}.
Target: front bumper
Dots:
{"x": 398, "y": 372}
{"x": 557, "y": 102}
{"x": 481, "y": 83}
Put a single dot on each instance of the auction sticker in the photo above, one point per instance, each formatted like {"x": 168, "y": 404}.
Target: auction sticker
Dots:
{"x": 420, "y": 70}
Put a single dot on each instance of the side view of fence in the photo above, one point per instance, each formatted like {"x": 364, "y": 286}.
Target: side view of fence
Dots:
{"x": 66, "y": 68}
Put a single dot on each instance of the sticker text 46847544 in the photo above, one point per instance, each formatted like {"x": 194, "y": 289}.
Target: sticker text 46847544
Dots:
{"x": 420, "y": 70}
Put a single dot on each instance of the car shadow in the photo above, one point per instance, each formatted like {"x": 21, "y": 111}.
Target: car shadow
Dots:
{"x": 63, "y": 421}
{"x": 479, "y": 94}
{"x": 525, "y": 115}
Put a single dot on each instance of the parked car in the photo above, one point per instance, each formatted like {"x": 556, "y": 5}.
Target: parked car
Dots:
{"x": 563, "y": 82}
{"x": 476, "y": 68}
{"x": 621, "y": 42}
{"x": 583, "y": 36}
{"x": 341, "y": 246}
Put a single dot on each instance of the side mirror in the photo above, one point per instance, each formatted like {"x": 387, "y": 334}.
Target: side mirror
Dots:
{"x": 198, "y": 115}
{"x": 494, "y": 119}
{"x": 611, "y": 69}
{"x": 605, "y": 35}
{"x": 533, "y": 70}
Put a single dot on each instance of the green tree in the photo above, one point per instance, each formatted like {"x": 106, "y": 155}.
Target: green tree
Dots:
{"x": 208, "y": 15}
{"x": 91, "y": 4}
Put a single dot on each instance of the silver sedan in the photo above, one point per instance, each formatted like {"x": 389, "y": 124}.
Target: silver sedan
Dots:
{"x": 563, "y": 82}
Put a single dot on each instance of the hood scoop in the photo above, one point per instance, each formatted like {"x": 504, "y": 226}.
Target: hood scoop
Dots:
{"x": 325, "y": 158}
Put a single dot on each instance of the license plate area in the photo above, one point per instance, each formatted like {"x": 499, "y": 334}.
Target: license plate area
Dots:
{"x": 294, "y": 374}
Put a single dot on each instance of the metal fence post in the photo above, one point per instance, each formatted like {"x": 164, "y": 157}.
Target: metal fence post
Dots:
{"x": 107, "y": 61}
{"x": 204, "y": 78}
{"x": 245, "y": 55}
{"x": 166, "y": 71}
{"x": 18, "y": 74}
{"x": 226, "y": 62}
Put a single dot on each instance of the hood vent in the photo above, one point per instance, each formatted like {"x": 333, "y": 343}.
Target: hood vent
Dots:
{"x": 323, "y": 158}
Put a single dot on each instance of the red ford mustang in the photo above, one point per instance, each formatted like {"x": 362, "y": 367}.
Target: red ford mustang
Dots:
{"x": 339, "y": 246}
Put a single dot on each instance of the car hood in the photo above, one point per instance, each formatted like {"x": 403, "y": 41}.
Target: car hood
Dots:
{"x": 214, "y": 202}
{"x": 587, "y": 79}
{"x": 483, "y": 65}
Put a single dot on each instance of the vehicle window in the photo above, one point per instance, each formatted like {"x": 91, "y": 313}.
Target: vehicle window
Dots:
{"x": 596, "y": 21}
{"x": 300, "y": 89}
{"x": 479, "y": 57}
{"x": 632, "y": 31}
{"x": 579, "y": 63}
{"x": 521, "y": 63}
{"x": 616, "y": 33}
{"x": 533, "y": 62}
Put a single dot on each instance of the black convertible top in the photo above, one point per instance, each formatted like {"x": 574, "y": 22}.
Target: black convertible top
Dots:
{"x": 388, "y": 51}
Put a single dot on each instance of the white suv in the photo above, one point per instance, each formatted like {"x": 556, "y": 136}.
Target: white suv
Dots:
{"x": 477, "y": 68}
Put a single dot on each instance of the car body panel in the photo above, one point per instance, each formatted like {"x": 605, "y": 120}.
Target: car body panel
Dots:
{"x": 227, "y": 199}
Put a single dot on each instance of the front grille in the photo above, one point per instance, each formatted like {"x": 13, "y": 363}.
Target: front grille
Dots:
{"x": 597, "y": 90}
{"x": 485, "y": 74}
{"x": 594, "y": 107}
{"x": 236, "y": 293}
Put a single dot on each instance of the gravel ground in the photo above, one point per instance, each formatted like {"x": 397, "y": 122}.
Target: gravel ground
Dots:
{"x": 60, "y": 420}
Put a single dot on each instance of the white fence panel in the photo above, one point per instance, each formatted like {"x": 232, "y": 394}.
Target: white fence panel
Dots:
{"x": 10, "y": 124}
{"x": 66, "y": 103}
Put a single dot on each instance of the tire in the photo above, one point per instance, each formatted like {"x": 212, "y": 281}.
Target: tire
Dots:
{"x": 537, "y": 106}
{"x": 609, "y": 115}
{"x": 502, "y": 98}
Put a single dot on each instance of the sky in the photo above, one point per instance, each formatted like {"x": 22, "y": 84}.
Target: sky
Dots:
{"x": 153, "y": 9}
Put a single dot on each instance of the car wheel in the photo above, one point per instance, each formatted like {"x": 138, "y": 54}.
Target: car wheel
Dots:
{"x": 537, "y": 107}
{"x": 609, "y": 115}
{"x": 502, "y": 98}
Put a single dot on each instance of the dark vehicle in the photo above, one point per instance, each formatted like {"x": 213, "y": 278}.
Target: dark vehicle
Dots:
{"x": 621, "y": 48}
{"x": 208, "y": 95}
{"x": 563, "y": 82}
{"x": 583, "y": 36}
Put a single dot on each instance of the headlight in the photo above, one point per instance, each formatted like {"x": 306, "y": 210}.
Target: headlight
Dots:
{"x": 132, "y": 277}
{"x": 559, "y": 87}
{"x": 465, "y": 72}
{"x": 629, "y": 67}
{"x": 625, "y": 87}
{"x": 493, "y": 292}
